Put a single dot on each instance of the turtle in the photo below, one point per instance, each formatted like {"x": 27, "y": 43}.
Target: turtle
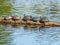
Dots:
{"x": 35, "y": 19}
{"x": 7, "y": 18}
{"x": 43, "y": 19}
{"x": 25, "y": 18}
{"x": 15, "y": 18}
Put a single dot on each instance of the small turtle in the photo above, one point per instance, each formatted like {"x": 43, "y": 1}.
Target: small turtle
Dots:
{"x": 25, "y": 18}
{"x": 7, "y": 18}
{"x": 35, "y": 19}
{"x": 43, "y": 19}
{"x": 15, "y": 18}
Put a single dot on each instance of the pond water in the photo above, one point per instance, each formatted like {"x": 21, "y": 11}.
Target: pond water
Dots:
{"x": 25, "y": 35}
{"x": 22, "y": 35}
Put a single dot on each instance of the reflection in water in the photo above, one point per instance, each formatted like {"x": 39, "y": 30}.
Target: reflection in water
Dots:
{"x": 5, "y": 36}
{"x": 33, "y": 36}
{"x": 49, "y": 37}
{"x": 29, "y": 36}
{"x": 6, "y": 7}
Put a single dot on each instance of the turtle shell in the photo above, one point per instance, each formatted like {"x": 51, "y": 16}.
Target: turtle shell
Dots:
{"x": 25, "y": 18}
{"x": 44, "y": 19}
{"x": 15, "y": 17}
{"x": 35, "y": 19}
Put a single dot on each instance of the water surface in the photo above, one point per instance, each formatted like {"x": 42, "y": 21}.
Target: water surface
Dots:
{"x": 23, "y": 35}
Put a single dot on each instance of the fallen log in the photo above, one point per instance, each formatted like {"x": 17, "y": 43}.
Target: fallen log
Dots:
{"x": 17, "y": 20}
{"x": 50, "y": 24}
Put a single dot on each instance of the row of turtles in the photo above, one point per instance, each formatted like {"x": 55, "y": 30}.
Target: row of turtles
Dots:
{"x": 35, "y": 19}
{"x": 25, "y": 18}
{"x": 9, "y": 19}
{"x": 41, "y": 21}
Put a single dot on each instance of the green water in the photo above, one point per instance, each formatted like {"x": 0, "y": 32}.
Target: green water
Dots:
{"x": 22, "y": 35}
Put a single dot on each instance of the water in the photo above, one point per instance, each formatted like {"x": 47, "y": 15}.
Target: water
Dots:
{"x": 29, "y": 36}
{"x": 25, "y": 35}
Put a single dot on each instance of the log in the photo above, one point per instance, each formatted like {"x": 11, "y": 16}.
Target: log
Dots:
{"x": 21, "y": 21}
{"x": 52, "y": 24}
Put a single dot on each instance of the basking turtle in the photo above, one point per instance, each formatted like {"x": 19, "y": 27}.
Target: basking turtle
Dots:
{"x": 43, "y": 20}
{"x": 15, "y": 18}
{"x": 25, "y": 18}
{"x": 8, "y": 17}
{"x": 35, "y": 19}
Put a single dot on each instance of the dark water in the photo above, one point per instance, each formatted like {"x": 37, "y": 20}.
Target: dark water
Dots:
{"x": 25, "y": 35}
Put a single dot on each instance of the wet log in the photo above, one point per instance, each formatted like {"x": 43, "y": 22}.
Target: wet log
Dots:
{"x": 17, "y": 20}
{"x": 1, "y": 20}
{"x": 52, "y": 24}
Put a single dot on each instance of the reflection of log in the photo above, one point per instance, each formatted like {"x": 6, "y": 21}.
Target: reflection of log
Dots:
{"x": 53, "y": 12}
